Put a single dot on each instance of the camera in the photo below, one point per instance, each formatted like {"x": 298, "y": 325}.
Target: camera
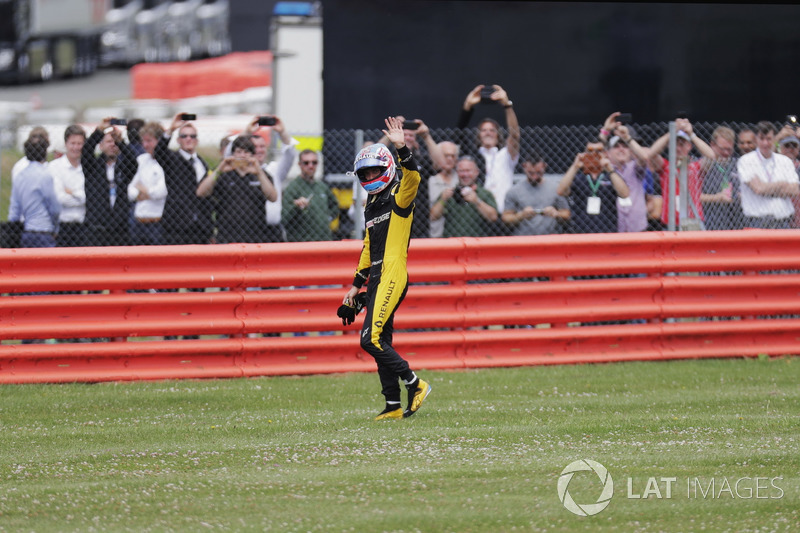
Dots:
{"x": 267, "y": 121}
{"x": 188, "y": 116}
{"x": 591, "y": 163}
{"x": 410, "y": 125}
{"x": 624, "y": 118}
{"x": 486, "y": 93}
{"x": 118, "y": 122}
{"x": 240, "y": 163}
{"x": 457, "y": 197}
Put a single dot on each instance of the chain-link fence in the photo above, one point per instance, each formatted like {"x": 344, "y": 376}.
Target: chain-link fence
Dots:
{"x": 120, "y": 195}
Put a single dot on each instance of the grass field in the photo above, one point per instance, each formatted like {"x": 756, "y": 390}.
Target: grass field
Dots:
{"x": 483, "y": 454}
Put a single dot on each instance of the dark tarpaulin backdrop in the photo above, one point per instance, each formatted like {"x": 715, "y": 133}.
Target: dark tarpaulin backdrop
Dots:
{"x": 561, "y": 63}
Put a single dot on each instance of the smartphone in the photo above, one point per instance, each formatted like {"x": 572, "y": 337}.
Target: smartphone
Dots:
{"x": 624, "y": 118}
{"x": 591, "y": 163}
{"x": 410, "y": 125}
{"x": 118, "y": 122}
{"x": 791, "y": 120}
{"x": 486, "y": 93}
{"x": 188, "y": 116}
{"x": 267, "y": 121}
{"x": 239, "y": 163}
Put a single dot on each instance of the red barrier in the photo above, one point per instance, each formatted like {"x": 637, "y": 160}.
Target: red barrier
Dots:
{"x": 234, "y": 72}
{"x": 472, "y": 303}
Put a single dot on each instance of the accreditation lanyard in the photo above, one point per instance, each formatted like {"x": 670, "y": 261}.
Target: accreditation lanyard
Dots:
{"x": 593, "y": 202}
{"x": 724, "y": 171}
{"x": 594, "y": 185}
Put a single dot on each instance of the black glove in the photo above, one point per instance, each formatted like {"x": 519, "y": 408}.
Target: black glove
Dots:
{"x": 348, "y": 312}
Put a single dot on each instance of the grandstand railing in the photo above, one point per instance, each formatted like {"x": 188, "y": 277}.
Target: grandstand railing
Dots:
{"x": 269, "y": 309}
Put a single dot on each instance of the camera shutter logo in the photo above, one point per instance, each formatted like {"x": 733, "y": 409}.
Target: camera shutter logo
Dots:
{"x": 585, "y": 509}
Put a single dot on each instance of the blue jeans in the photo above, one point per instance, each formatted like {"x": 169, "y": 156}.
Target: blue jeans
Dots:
{"x": 144, "y": 234}
{"x": 35, "y": 239}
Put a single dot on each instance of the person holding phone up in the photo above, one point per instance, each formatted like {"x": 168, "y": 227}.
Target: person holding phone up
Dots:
{"x": 593, "y": 185}
{"x": 242, "y": 191}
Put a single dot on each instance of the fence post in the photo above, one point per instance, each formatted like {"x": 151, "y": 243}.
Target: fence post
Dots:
{"x": 671, "y": 196}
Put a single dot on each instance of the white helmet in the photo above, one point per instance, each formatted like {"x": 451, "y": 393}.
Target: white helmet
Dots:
{"x": 375, "y": 155}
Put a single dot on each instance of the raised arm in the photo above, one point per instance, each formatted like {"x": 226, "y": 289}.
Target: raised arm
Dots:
{"x": 702, "y": 147}
{"x": 512, "y": 123}
{"x": 565, "y": 185}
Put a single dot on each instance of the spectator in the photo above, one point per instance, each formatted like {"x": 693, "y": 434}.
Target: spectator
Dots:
{"x": 628, "y": 158}
{"x": 790, "y": 147}
{"x": 19, "y": 166}
{"x": 533, "y": 206}
{"x": 769, "y": 182}
{"x": 223, "y": 144}
{"x": 70, "y": 188}
{"x": 470, "y": 209}
{"x": 107, "y": 177}
{"x": 447, "y": 178}
{"x": 243, "y": 189}
{"x": 746, "y": 141}
{"x": 309, "y": 206}
{"x": 720, "y": 197}
{"x": 429, "y": 157}
{"x": 33, "y": 198}
{"x": 134, "y": 138}
{"x": 686, "y": 139}
{"x": 593, "y": 195}
{"x": 499, "y": 161}
{"x": 148, "y": 189}
{"x": 276, "y": 172}
{"x": 187, "y": 218}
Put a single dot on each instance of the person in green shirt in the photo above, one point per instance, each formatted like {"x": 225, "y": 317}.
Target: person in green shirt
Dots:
{"x": 469, "y": 209}
{"x": 308, "y": 206}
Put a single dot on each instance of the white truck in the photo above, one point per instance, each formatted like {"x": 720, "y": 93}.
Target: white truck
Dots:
{"x": 164, "y": 30}
{"x": 45, "y": 39}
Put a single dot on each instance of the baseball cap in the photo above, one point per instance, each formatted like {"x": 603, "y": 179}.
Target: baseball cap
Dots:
{"x": 683, "y": 135}
{"x": 614, "y": 140}
{"x": 790, "y": 139}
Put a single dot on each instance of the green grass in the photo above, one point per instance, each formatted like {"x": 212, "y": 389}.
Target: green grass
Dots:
{"x": 484, "y": 453}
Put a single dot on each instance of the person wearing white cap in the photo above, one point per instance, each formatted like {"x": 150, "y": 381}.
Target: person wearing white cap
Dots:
{"x": 628, "y": 159}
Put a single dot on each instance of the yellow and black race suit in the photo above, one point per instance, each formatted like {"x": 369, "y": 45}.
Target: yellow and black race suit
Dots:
{"x": 388, "y": 217}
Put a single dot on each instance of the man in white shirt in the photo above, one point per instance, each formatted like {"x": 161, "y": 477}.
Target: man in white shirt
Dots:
{"x": 769, "y": 182}
{"x": 69, "y": 184}
{"x": 500, "y": 161}
{"x": 148, "y": 189}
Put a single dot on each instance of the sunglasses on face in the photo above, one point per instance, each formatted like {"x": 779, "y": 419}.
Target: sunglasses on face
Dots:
{"x": 309, "y": 162}
{"x": 188, "y": 135}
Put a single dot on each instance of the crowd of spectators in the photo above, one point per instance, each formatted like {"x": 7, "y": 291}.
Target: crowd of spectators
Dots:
{"x": 108, "y": 190}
